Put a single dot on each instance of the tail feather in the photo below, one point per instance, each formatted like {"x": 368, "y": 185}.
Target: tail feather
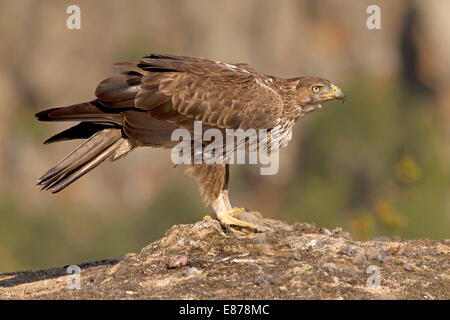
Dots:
{"x": 79, "y": 172}
{"x": 86, "y": 111}
{"x": 83, "y": 130}
{"x": 99, "y": 147}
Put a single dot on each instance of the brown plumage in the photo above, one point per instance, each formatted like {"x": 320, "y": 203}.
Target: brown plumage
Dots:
{"x": 143, "y": 105}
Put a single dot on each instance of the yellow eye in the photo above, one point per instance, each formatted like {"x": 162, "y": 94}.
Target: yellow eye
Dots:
{"x": 316, "y": 89}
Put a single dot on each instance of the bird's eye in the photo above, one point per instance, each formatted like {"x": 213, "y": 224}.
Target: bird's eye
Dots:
{"x": 316, "y": 88}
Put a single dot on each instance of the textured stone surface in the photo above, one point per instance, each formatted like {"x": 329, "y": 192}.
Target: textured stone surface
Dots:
{"x": 203, "y": 261}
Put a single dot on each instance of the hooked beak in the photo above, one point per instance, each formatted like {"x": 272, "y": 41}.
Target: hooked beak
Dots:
{"x": 336, "y": 93}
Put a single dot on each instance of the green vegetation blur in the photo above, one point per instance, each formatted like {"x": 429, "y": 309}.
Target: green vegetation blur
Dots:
{"x": 377, "y": 166}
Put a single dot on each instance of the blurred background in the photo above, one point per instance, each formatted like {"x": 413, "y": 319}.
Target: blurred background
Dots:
{"x": 378, "y": 165}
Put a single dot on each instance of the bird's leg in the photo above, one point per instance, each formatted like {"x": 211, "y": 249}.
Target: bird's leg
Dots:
{"x": 225, "y": 213}
{"x": 213, "y": 180}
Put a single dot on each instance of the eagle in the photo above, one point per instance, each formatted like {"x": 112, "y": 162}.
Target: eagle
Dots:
{"x": 151, "y": 98}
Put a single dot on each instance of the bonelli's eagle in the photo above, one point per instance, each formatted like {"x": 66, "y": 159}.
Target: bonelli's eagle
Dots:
{"x": 143, "y": 105}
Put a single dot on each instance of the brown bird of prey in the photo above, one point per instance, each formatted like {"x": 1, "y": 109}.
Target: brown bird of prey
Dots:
{"x": 143, "y": 105}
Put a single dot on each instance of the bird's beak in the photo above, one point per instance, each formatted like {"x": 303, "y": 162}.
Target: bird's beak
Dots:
{"x": 336, "y": 93}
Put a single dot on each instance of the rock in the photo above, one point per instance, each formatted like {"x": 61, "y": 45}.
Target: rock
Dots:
{"x": 203, "y": 261}
{"x": 193, "y": 271}
{"x": 349, "y": 250}
{"x": 409, "y": 267}
{"x": 178, "y": 262}
{"x": 260, "y": 239}
{"x": 337, "y": 232}
{"x": 265, "y": 279}
{"x": 305, "y": 227}
{"x": 331, "y": 267}
{"x": 261, "y": 250}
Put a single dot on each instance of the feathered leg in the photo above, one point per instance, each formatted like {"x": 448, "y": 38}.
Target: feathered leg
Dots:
{"x": 213, "y": 185}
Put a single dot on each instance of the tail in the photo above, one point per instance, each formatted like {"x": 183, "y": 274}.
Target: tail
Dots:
{"x": 104, "y": 141}
{"x": 101, "y": 146}
{"x": 92, "y": 111}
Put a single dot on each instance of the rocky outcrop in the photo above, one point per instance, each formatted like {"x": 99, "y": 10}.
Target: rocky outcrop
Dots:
{"x": 204, "y": 261}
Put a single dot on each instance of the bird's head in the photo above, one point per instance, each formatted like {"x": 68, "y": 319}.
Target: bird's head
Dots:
{"x": 312, "y": 91}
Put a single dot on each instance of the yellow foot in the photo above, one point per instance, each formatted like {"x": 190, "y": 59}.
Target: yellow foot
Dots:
{"x": 227, "y": 219}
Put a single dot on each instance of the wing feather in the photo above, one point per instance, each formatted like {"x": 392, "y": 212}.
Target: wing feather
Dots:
{"x": 219, "y": 94}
